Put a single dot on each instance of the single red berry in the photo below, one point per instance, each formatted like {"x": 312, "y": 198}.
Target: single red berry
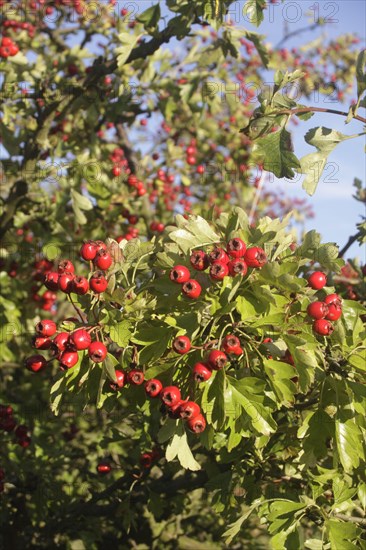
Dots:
{"x": 323, "y": 327}
{"x": 181, "y": 344}
{"x": 79, "y": 340}
{"x": 8, "y": 424}
{"x": 236, "y": 248}
{"x": 98, "y": 283}
{"x": 65, "y": 282}
{"x": 88, "y": 250}
{"x": 153, "y": 387}
{"x": 317, "y": 280}
{"x": 146, "y": 460}
{"x": 334, "y": 312}
{"x": 170, "y": 396}
{"x": 255, "y": 257}
{"x": 217, "y": 359}
{"x": 231, "y": 344}
{"x": 219, "y": 270}
{"x": 179, "y": 274}
{"x": 192, "y": 289}
{"x": 25, "y": 442}
{"x": 103, "y": 468}
{"x": 121, "y": 380}
{"x": 136, "y": 377}
{"x": 51, "y": 280}
{"x": 66, "y": 266}
{"x": 97, "y": 351}
{"x": 116, "y": 171}
{"x": 196, "y": 424}
{"x": 201, "y": 372}
{"x": 189, "y": 409}
{"x": 219, "y": 255}
{"x": 5, "y": 410}
{"x": 60, "y": 340}
{"x": 103, "y": 260}
{"x": 68, "y": 359}
{"x": 41, "y": 342}
{"x": 21, "y": 431}
{"x": 287, "y": 358}
{"x": 333, "y": 299}
{"x": 200, "y": 169}
{"x": 80, "y": 285}
{"x": 35, "y": 363}
{"x": 199, "y": 260}
{"x": 317, "y": 310}
{"x": 237, "y": 267}
{"x": 191, "y": 160}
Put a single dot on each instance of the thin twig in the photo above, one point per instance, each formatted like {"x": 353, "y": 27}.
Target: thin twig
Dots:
{"x": 348, "y": 244}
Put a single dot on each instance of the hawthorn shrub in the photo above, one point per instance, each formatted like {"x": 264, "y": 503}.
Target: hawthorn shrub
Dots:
{"x": 182, "y": 365}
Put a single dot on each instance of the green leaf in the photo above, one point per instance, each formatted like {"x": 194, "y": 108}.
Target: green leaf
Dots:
{"x": 258, "y": 41}
{"x": 81, "y": 201}
{"x": 361, "y": 73}
{"x": 274, "y": 151}
{"x": 312, "y": 165}
{"x": 234, "y": 528}
{"x": 341, "y": 534}
{"x": 349, "y": 440}
{"x": 253, "y": 9}
{"x": 128, "y": 42}
{"x": 280, "y": 375}
{"x": 150, "y": 18}
{"x": 259, "y": 415}
{"x": 120, "y": 333}
{"x": 109, "y": 365}
{"x": 179, "y": 448}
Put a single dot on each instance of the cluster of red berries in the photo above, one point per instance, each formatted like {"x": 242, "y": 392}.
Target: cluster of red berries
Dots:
{"x": 120, "y": 163}
{"x": 67, "y": 281}
{"x": 217, "y": 359}
{"x": 134, "y": 182}
{"x": 9, "y": 424}
{"x": 146, "y": 461}
{"x": 64, "y": 346}
{"x": 233, "y": 261}
{"x": 7, "y": 47}
{"x": 20, "y": 25}
{"x": 191, "y": 158}
{"x": 132, "y": 231}
{"x": 48, "y": 298}
{"x": 323, "y": 312}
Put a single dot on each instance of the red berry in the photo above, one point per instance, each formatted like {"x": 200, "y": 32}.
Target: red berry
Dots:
{"x": 98, "y": 283}
{"x": 51, "y": 280}
{"x": 236, "y": 248}
{"x": 60, "y": 340}
{"x": 191, "y": 160}
{"x": 219, "y": 255}
{"x": 170, "y": 396}
{"x": 179, "y": 274}
{"x": 8, "y": 424}
{"x": 317, "y": 280}
{"x": 231, "y": 344}
{"x": 181, "y": 344}
{"x": 255, "y": 257}
{"x": 21, "y": 431}
{"x": 189, "y": 409}
{"x": 25, "y": 442}
{"x": 237, "y": 267}
{"x": 199, "y": 260}
{"x": 80, "y": 285}
{"x": 334, "y": 312}
{"x": 146, "y": 460}
{"x": 103, "y": 260}
{"x": 103, "y": 468}
{"x": 317, "y": 310}
{"x": 136, "y": 377}
{"x": 41, "y": 342}
{"x": 97, "y": 351}
{"x": 65, "y": 282}
{"x": 66, "y": 266}
{"x": 200, "y": 169}
{"x": 116, "y": 171}
{"x": 197, "y": 424}
{"x": 192, "y": 289}
{"x": 201, "y": 372}
{"x": 323, "y": 327}
{"x": 79, "y": 340}
{"x": 219, "y": 270}
{"x": 68, "y": 359}
{"x": 35, "y": 363}
{"x": 121, "y": 380}
{"x": 88, "y": 250}
{"x": 333, "y": 299}
{"x": 217, "y": 359}
{"x": 153, "y": 387}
